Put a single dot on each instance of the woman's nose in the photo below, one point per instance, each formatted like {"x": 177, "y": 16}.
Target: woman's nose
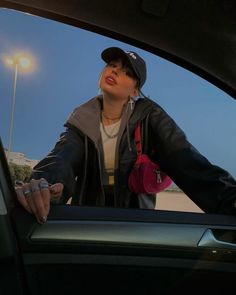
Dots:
{"x": 114, "y": 71}
{"x": 117, "y": 69}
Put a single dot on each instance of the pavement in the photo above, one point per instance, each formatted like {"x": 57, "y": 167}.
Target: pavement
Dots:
{"x": 176, "y": 201}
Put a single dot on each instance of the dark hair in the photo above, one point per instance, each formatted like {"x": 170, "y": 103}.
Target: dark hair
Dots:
{"x": 137, "y": 64}
{"x": 125, "y": 63}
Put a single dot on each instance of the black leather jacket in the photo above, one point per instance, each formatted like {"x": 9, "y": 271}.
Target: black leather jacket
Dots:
{"x": 77, "y": 159}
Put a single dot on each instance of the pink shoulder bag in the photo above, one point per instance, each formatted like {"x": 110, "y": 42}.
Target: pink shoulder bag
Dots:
{"x": 146, "y": 176}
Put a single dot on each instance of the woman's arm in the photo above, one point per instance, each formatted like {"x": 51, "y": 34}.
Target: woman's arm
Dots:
{"x": 54, "y": 176}
{"x": 212, "y": 188}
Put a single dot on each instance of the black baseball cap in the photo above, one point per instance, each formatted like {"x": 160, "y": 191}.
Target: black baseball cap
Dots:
{"x": 136, "y": 63}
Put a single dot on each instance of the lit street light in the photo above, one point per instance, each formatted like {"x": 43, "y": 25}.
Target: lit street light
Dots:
{"x": 18, "y": 62}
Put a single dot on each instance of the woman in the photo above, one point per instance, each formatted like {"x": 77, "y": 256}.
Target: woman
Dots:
{"x": 94, "y": 156}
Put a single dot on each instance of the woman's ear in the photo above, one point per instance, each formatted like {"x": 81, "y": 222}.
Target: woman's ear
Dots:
{"x": 136, "y": 92}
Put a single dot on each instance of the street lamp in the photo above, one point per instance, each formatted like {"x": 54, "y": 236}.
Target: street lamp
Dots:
{"x": 18, "y": 62}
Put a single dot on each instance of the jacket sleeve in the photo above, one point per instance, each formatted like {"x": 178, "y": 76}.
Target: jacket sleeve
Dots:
{"x": 63, "y": 163}
{"x": 212, "y": 188}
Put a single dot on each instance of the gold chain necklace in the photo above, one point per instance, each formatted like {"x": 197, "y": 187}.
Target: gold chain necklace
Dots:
{"x": 112, "y": 119}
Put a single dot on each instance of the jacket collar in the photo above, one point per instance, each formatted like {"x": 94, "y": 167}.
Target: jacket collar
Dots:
{"x": 87, "y": 116}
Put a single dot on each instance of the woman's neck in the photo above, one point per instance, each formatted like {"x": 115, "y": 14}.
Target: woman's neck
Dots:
{"x": 112, "y": 110}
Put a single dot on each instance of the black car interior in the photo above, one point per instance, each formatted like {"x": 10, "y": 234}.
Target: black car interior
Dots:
{"x": 120, "y": 251}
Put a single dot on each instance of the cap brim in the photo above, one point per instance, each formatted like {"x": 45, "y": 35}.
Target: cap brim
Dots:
{"x": 114, "y": 53}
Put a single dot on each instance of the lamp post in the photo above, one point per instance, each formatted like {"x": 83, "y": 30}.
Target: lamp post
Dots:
{"x": 17, "y": 62}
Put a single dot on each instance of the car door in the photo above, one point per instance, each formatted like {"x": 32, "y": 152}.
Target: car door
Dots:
{"x": 111, "y": 250}
{"x": 10, "y": 258}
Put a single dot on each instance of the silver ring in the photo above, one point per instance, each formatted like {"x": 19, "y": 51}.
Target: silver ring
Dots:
{"x": 35, "y": 189}
{"x": 43, "y": 184}
{"x": 27, "y": 192}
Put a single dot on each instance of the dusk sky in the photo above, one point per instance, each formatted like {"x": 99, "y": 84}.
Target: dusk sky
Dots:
{"x": 67, "y": 67}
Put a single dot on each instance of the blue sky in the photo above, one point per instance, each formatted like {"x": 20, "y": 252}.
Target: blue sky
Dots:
{"x": 68, "y": 65}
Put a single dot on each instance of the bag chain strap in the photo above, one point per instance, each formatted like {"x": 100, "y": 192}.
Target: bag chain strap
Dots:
{"x": 138, "y": 136}
{"x": 138, "y": 139}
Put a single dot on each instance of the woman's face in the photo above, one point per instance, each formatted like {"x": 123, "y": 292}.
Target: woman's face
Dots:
{"x": 118, "y": 80}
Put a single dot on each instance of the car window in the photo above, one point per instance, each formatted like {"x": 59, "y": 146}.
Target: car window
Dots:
{"x": 64, "y": 70}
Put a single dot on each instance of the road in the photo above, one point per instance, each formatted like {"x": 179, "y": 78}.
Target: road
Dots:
{"x": 176, "y": 201}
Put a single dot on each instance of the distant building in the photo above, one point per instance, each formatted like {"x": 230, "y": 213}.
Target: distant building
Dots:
{"x": 173, "y": 187}
{"x": 20, "y": 159}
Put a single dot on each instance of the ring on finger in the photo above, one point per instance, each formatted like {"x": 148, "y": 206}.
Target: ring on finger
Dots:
{"x": 35, "y": 189}
{"x": 43, "y": 185}
{"x": 27, "y": 192}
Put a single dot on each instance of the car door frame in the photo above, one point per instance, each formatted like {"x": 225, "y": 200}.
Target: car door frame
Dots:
{"x": 76, "y": 237}
{"x": 24, "y": 243}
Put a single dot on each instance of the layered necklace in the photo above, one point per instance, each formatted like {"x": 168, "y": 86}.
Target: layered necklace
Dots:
{"x": 110, "y": 135}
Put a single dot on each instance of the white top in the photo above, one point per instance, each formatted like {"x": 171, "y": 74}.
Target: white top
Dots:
{"x": 109, "y": 147}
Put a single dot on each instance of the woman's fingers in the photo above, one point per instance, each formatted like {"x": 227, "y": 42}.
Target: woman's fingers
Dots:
{"x": 29, "y": 198}
{"x": 56, "y": 189}
{"x": 46, "y": 196}
{"x": 37, "y": 201}
{"x": 35, "y": 198}
{"x": 21, "y": 193}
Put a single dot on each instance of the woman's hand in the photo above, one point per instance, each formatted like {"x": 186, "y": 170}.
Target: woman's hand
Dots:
{"x": 36, "y": 195}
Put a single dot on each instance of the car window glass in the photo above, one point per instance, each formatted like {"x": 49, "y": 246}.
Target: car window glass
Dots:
{"x": 64, "y": 73}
